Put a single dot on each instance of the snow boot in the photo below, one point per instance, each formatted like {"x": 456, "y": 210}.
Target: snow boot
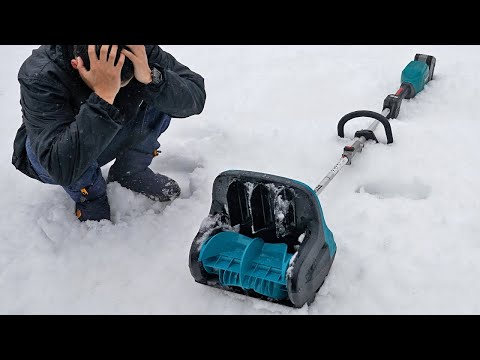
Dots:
{"x": 131, "y": 171}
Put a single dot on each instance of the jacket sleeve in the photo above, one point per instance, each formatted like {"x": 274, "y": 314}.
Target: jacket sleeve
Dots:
{"x": 66, "y": 143}
{"x": 182, "y": 91}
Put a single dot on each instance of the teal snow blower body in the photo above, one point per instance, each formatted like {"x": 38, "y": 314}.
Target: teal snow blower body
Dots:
{"x": 266, "y": 235}
{"x": 258, "y": 228}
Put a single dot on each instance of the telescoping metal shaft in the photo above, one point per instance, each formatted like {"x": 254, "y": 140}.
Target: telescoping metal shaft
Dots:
{"x": 357, "y": 146}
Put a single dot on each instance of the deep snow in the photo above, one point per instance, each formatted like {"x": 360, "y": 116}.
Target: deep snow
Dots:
{"x": 404, "y": 216}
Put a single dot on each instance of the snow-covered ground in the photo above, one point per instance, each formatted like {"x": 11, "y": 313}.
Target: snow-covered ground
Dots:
{"x": 405, "y": 216}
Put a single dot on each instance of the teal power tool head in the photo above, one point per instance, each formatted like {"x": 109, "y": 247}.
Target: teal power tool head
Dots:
{"x": 266, "y": 235}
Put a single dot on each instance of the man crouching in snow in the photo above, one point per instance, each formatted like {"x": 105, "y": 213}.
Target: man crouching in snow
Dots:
{"x": 86, "y": 105}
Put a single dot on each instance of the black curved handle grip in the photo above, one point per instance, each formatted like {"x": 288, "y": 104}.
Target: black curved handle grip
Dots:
{"x": 366, "y": 113}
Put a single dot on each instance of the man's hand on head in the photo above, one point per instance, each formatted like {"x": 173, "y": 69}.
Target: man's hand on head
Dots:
{"x": 138, "y": 56}
{"x": 104, "y": 77}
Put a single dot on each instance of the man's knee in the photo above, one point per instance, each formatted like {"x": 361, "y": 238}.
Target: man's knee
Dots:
{"x": 157, "y": 124}
{"x": 164, "y": 122}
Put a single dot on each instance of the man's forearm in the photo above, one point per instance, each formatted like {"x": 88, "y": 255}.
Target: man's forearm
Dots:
{"x": 181, "y": 93}
{"x": 177, "y": 96}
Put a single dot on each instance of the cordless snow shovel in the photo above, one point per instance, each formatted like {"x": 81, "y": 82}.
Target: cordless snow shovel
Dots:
{"x": 266, "y": 235}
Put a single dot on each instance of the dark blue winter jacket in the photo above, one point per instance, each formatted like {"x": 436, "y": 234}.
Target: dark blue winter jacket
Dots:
{"x": 69, "y": 126}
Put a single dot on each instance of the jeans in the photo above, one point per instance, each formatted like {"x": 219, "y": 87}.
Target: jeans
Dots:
{"x": 141, "y": 134}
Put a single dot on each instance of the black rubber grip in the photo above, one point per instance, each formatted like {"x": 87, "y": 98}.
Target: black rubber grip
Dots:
{"x": 366, "y": 113}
